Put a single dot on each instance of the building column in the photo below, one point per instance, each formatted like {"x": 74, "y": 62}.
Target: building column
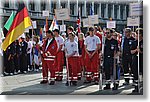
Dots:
{"x": 99, "y": 10}
{"x": 76, "y": 8}
{"x": 125, "y": 13}
{"x": 85, "y": 13}
{"x": 118, "y": 12}
{"x": 68, "y": 4}
{"x": 38, "y": 5}
{"x": 84, "y": 9}
{"x": 93, "y": 7}
{"x": 106, "y": 11}
{"x": 27, "y": 4}
{"x": 12, "y": 4}
{"x": 58, "y": 4}
{"x": 112, "y": 11}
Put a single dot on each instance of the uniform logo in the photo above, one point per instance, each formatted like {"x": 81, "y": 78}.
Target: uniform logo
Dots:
{"x": 93, "y": 40}
{"x": 141, "y": 46}
{"x": 72, "y": 45}
{"x": 130, "y": 42}
{"x": 57, "y": 40}
{"x": 112, "y": 47}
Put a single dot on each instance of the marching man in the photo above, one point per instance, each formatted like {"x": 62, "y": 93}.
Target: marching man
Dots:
{"x": 71, "y": 49}
{"x": 60, "y": 56}
{"x": 92, "y": 45}
{"x": 48, "y": 53}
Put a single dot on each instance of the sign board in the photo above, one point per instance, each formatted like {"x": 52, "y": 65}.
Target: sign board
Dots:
{"x": 62, "y": 14}
{"x": 62, "y": 27}
{"x": 34, "y": 24}
{"x": 136, "y": 9}
{"x": 45, "y": 13}
{"x": 85, "y": 22}
{"x": 111, "y": 24}
{"x": 133, "y": 21}
{"x": 93, "y": 19}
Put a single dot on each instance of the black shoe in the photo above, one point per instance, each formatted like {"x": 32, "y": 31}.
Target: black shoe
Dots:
{"x": 74, "y": 83}
{"x": 107, "y": 87}
{"x": 136, "y": 89}
{"x": 59, "y": 79}
{"x": 126, "y": 83}
{"x": 52, "y": 83}
{"x": 115, "y": 87}
{"x": 68, "y": 83}
{"x": 86, "y": 82}
{"x": 79, "y": 78}
{"x": 44, "y": 82}
{"x": 96, "y": 83}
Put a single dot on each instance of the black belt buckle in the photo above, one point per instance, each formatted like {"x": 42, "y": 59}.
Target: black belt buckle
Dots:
{"x": 91, "y": 51}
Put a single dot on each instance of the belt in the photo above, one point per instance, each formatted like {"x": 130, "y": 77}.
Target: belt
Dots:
{"x": 127, "y": 54}
{"x": 108, "y": 56}
{"x": 91, "y": 51}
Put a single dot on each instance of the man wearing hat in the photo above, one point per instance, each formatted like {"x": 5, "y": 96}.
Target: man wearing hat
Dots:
{"x": 92, "y": 45}
{"x": 48, "y": 53}
{"x": 60, "y": 56}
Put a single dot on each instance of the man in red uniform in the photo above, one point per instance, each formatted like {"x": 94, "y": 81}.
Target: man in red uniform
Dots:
{"x": 92, "y": 45}
{"x": 60, "y": 56}
{"x": 71, "y": 49}
{"x": 48, "y": 52}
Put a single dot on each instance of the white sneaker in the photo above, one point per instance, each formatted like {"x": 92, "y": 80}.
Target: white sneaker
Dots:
{"x": 37, "y": 70}
{"x": 5, "y": 73}
{"x": 15, "y": 73}
{"x": 11, "y": 74}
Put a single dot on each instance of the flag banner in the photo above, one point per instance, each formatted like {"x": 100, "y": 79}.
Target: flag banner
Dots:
{"x": 46, "y": 26}
{"x": 133, "y": 21}
{"x": 8, "y": 23}
{"x": 62, "y": 27}
{"x": 111, "y": 24}
{"x": 45, "y": 13}
{"x": 93, "y": 19}
{"x": 79, "y": 21}
{"x": 54, "y": 24}
{"x": 85, "y": 22}
{"x": 20, "y": 23}
{"x": 62, "y": 14}
{"x": 136, "y": 9}
{"x": 41, "y": 32}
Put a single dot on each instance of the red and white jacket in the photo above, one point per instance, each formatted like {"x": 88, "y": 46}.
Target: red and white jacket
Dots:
{"x": 49, "y": 51}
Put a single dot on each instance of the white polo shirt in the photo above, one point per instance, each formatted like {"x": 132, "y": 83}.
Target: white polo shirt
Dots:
{"x": 59, "y": 40}
{"x": 72, "y": 47}
{"x": 91, "y": 42}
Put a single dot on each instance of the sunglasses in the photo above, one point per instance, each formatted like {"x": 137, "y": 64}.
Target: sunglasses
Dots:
{"x": 107, "y": 32}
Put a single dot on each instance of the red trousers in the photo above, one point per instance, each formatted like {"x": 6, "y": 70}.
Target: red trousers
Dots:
{"x": 59, "y": 65}
{"x": 80, "y": 66}
{"x": 47, "y": 65}
{"x": 72, "y": 66}
{"x": 92, "y": 69}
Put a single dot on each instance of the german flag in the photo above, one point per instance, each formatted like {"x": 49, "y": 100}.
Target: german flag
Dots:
{"x": 20, "y": 23}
